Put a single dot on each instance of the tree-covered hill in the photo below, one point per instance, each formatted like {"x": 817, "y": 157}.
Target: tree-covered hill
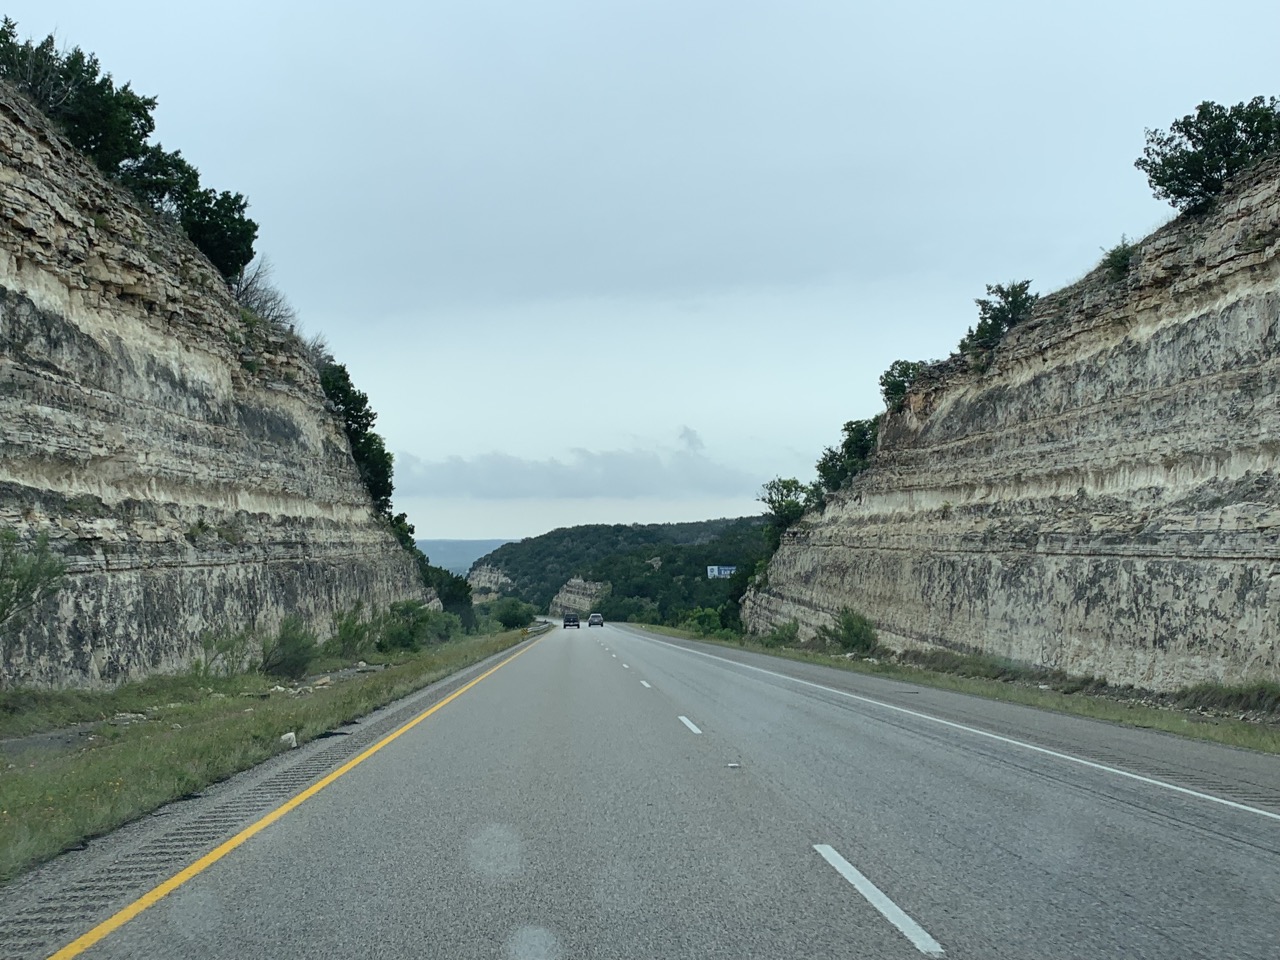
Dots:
{"x": 668, "y": 583}
{"x": 539, "y": 566}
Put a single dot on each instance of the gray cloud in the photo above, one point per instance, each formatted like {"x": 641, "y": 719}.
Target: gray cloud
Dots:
{"x": 619, "y": 474}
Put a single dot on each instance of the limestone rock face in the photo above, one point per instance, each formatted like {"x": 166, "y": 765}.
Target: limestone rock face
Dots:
{"x": 1103, "y": 498}
{"x": 487, "y": 583}
{"x": 180, "y": 458}
{"x": 577, "y": 596}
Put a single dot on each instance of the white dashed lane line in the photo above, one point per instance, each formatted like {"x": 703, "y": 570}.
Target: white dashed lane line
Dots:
{"x": 1010, "y": 741}
{"x": 645, "y": 684}
{"x": 918, "y": 936}
{"x": 690, "y": 724}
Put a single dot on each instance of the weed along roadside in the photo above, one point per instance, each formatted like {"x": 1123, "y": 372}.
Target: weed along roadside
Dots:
{"x": 164, "y": 738}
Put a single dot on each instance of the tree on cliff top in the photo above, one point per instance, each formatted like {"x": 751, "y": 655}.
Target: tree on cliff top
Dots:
{"x": 111, "y": 126}
{"x": 897, "y": 381}
{"x": 1191, "y": 162}
{"x": 1011, "y": 304}
{"x": 838, "y": 465}
{"x": 373, "y": 459}
{"x": 787, "y": 499}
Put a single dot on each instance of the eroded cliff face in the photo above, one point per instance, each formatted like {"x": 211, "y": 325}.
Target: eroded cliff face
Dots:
{"x": 179, "y": 458}
{"x": 1104, "y": 499}
{"x": 487, "y": 583}
{"x": 577, "y": 596}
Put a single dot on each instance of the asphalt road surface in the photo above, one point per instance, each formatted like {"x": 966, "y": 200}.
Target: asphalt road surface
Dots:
{"x": 612, "y": 794}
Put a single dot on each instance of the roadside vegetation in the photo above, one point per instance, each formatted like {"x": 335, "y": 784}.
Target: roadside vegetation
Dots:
{"x": 1246, "y": 716}
{"x": 79, "y": 763}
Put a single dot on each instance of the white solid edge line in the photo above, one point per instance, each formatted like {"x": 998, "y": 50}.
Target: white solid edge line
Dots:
{"x": 645, "y": 684}
{"x": 690, "y": 724}
{"x": 1093, "y": 765}
{"x": 917, "y": 934}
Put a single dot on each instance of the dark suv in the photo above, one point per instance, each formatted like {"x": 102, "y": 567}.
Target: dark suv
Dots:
{"x": 595, "y": 620}
{"x": 571, "y": 620}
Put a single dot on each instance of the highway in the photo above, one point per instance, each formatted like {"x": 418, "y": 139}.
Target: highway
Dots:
{"x": 609, "y": 793}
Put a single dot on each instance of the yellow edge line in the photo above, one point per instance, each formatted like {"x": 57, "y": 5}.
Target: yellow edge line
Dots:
{"x": 158, "y": 893}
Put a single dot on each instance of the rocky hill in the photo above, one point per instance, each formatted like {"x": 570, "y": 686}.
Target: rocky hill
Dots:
{"x": 179, "y": 456}
{"x": 1103, "y": 498}
{"x": 577, "y": 596}
{"x": 535, "y": 569}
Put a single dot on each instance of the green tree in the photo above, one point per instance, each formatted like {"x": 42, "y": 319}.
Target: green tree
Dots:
{"x": 162, "y": 180}
{"x": 897, "y": 381}
{"x": 109, "y": 124}
{"x": 838, "y": 465}
{"x": 30, "y": 573}
{"x": 454, "y": 593}
{"x": 373, "y": 459}
{"x": 786, "y": 499}
{"x": 1191, "y": 162}
{"x": 216, "y": 223}
{"x": 512, "y": 614}
{"x": 1012, "y": 304}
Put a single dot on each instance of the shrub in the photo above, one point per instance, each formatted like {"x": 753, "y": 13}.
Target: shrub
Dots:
{"x": 512, "y": 613}
{"x": 227, "y": 654}
{"x": 1012, "y": 304}
{"x": 852, "y": 632}
{"x": 781, "y": 636}
{"x": 702, "y": 620}
{"x": 352, "y": 633}
{"x": 289, "y": 653}
{"x": 409, "y": 624}
{"x": 30, "y": 573}
{"x": 1118, "y": 259}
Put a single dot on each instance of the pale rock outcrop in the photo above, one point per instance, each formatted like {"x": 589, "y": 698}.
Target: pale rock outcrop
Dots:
{"x": 1104, "y": 499}
{"x": 578, "y": 596}
{"x": 180, "y": 459}
{"x": 487, "y": 583}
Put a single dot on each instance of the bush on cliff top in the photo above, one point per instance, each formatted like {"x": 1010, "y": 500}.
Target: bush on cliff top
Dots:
{"x": 111, "y": 125}
{"x": 1190, "y": 163}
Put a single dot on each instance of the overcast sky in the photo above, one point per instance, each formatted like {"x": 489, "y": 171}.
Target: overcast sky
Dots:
{"x": 624, "y": 261}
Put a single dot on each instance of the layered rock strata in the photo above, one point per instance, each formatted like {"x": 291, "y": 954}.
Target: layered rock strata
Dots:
{"x": 487, "y": 583}
{"x": 1103, "y": 498}
{"x": 577, "y": 596}
{"x": 178, "y": 454}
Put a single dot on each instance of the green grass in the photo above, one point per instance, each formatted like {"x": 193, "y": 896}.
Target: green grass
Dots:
{"x": 1011, "y": 682}
{"x": 53, "y": 800}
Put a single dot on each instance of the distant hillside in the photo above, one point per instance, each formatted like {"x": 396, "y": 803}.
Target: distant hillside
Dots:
{"x": 456, "y": 556}
{"x": 667, "y": 583}
{"x": 539, "y": 566}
